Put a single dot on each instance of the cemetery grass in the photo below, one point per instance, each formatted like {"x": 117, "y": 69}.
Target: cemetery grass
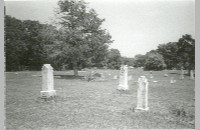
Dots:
{"x": 80, "y": 104}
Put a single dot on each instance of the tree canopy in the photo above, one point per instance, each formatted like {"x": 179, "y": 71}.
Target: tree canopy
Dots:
{"x": 82, "y": 40}
{"x": 23, "y": 44}
{"x": 180, "y": 54}
{"x": 154, "y": 61}
{"x": 114, "y": 59}
{"x": 77, "y": 41}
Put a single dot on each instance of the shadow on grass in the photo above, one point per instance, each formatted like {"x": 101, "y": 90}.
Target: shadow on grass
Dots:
{"x": 68, "y": 77}
{"x": 173, "y": 73}
{"x": 129, "y": 92}
{"x": 186, "y": 74}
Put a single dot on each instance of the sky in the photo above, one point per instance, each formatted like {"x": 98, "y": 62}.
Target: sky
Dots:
{"x": 136, "y": 26}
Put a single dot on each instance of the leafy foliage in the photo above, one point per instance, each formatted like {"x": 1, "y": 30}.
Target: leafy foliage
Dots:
{"x": 154, "y": 61}
{"x": 169, "y": 52}
{"x": 186, "y": 51}
{"x": 179, "y": 54}
{"x": 23, "y": 44}
{"x": 114, "y": 59}
{"x": 128, "y": 61}
{"x": 139, "y": 60}
{"x": 82, "y": 42}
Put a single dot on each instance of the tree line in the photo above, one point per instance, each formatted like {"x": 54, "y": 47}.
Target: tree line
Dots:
{"x": 172, "y": 55}
{"x": 77, "y": 41}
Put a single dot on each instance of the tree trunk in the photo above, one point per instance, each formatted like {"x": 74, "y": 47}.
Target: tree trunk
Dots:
{"x": 75, "y": 68}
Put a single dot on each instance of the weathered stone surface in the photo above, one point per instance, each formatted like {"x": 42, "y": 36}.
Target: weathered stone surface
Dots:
{"x": 142, "y": 94}
{"x": 47, "y": 82}
{"x": 172, "y": 80}
{"x": 192, "y": 74}
{"x": 123, "y": 78}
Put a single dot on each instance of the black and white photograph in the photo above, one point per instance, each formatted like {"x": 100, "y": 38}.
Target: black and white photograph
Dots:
{"x": 99, "y": 64}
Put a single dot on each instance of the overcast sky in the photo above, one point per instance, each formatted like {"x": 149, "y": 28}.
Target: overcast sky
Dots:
{"x": 136, "y": 26}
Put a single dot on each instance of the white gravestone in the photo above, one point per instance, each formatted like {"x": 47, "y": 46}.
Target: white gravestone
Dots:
{"x": 47, "y": 82}
{"x": 182, "y": 74}
{"x": 165, "y": 75}
{"x": 123, "y": 78}
{"x": 142, "y": 94}
{"x": 172, "y": 80}
{"x": 192, "y": 74}
{"x": 115, "y": 77}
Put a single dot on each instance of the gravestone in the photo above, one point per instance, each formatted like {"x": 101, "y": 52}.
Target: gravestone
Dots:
{"x": 115, "y": 77}
{"x": 182, "y": 74}
{"x": 123, "y": 78}
{"x": 172, "y": 80}
{"x": 151, "y": 74}
{"x": 47, "y": 82}
{"x": 191, "y": 74}
{"x": 165, "y": 75}
{"x": 142, "y": 94}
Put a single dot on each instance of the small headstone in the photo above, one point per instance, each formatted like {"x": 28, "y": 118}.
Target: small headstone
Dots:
{"x": 123, "y": 78}
{"x": 172, "y": 80}
{"x": 47, "y": 82}
{"x": 155, "y": 81}
{"x": 115, "y": 77}
{"x": 131, "y": 67}
{"x": 151, "y": 76}
{"x": 142, "y": 94}
{"x": 191, "y": 74}
{"x": 97, "y": 75}
{"x": 182, "y": 74}
{"x": 165, "y": 75}
{"x": 90, "y": 76}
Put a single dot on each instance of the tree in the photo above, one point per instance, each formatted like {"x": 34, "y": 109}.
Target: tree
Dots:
{"x": 154, "y": 61}
{"x": 14, "y": 46}
{"x": 114, "y": 59}
{"x": 186, "y": 51}
{"x": 179, "y": 54}
{"x": 169, "y": 52}
{"x": 82, "y": 41}
{"x": 128, "y": 61}
{"x": 24, "y": 44}
{"x": 139, "y": 60}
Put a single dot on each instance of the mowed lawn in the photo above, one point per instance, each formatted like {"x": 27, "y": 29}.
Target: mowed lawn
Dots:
{"x": 98, "y": 104}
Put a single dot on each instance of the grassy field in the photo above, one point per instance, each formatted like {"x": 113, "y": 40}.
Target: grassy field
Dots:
{"x": 98, "y": 104}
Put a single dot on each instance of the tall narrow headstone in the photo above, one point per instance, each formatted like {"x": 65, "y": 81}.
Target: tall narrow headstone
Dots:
{"x": 191, "y": 74}
{"x": 123, "y": 78}
{"x": 142, "y": 94}
{"x": 47, "y": 82}
{"x": 182, "y": 74}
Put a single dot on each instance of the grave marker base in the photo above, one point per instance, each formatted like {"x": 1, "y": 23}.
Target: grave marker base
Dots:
{"x": 48, "y": 94}
{"x": 137, "y": 109}
{"x": 122, "y": 87}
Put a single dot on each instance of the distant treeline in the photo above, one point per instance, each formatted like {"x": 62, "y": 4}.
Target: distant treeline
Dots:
{"x": 80, "y": 42}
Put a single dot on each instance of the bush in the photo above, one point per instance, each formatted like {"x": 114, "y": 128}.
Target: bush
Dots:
{"x": 154, "y": 61}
